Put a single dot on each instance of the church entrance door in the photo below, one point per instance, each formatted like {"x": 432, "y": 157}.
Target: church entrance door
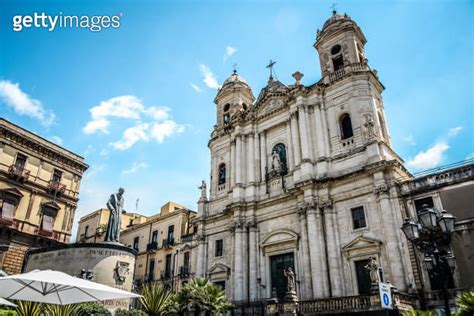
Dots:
{"x": 278, "y": 264}
{"x": 363, "y": 277}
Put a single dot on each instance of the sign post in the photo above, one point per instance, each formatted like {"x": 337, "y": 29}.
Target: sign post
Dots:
{"x": 385, "y": 291}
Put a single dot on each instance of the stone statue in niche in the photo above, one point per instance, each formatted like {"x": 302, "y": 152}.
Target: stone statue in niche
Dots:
{"x": 373, "y": 269}
{"x": 290, "y": 279}
{"x": 369, "y": 125}
{"x": 115, "y": 206}
{"x": 276, "y": 163}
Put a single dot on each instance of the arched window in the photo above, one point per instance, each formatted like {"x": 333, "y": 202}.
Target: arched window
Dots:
{"x": 221, "y": 174}
{"x": 279, "y": 161}
{"x": 226, "y": 116}
{"x": 337, "y": 59}
{"x": 346, "y": 126}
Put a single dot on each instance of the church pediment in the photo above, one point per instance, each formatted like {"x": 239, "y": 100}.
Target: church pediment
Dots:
{"x": 278, "y": 239}
{"x": 219, "y": 268}
{"x": 362, "y": 245}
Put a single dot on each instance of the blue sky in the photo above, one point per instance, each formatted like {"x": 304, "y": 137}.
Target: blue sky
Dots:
{"x": 137, "y": 101}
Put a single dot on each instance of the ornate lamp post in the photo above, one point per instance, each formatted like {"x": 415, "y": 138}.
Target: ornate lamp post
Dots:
{"x": 432, "y": 236}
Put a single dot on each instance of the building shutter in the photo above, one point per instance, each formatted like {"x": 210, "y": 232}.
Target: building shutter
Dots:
{"x": 47, "y": 223}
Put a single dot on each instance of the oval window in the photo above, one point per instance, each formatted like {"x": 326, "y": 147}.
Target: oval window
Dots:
{"x": 336, "y": 49}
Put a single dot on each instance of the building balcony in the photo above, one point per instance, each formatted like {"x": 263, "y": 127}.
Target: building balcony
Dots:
{"x": 184, "y": 271}
{"x": 19, "y": 174}
{"x": 44, "y": 233}
{"x": 55, "y": 187}
{"x": 165, "y": 275}
{"x": 351, "y": 68}
{"x": 152, "y": 247}
{"x": 8, "y": 222}
{"x": 187, "y": 238}
{"x": 168, "y": 243}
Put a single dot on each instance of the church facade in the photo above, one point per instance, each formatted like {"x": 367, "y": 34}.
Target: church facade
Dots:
{"x": 305, "y": 177}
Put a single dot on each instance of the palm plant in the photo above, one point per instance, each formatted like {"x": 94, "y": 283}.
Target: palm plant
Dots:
{"x": 203, "y": 296}
{"x": 155, "y": 299}
{"x": 27, "y": 308}
{"x": 465, "y": 302}
{"x": 62, "y": 310}
{"x": 415, "y": 312}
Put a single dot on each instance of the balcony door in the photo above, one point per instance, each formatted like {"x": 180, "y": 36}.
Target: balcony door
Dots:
{"x": 278, "y": 264}
{"x": 363, "y": 277}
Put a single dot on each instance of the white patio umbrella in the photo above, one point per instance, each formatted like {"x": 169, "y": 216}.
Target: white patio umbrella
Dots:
{"x": 6, "y": 303}
{"x": 54, "y": 287}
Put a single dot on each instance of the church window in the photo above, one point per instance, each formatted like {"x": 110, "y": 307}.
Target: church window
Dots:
{"x": 244, "y": 106}
{"x": 279, "y": 160}
{"x": 336, "y": 49}
{"x": 226, "y": 118}
{"x": 226, "y": 107}
{"x": 221, "y": 174}
{"x": 346, "y": 126}
{"x": 338, "y": 63}
{"x": 358, "y": 217}
{"x": 219, "y": 248}
{"x": 420, "y": 203}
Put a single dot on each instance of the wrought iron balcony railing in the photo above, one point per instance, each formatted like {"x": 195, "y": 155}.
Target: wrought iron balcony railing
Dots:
{"x": 56, "y": 187}
{"x": 18, "y": 173}
{"x": 152, "y": 247}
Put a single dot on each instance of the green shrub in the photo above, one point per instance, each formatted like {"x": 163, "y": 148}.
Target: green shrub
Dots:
{"x": 132, "y": 312}
{"x": 86, "y": 309}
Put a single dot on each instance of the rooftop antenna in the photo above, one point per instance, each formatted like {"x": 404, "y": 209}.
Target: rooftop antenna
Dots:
{"x": 270, "y": 66}
{"x": 333, "y": 6}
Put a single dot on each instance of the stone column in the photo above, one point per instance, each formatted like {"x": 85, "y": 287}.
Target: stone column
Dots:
{"x": 319, "y": 132}
{"x": 251, "y": 159}
{"x": 304, "y": 136}
{"x": 307, "y": 278}
{"x": 257, "y": 157}
{"x": 326, "y": 136}
{"x": 333, "y": 249}
{"x": 290, "y": 150}
{"x": 238, "y": 156}
{"x": 263, "y": 154}
{"x": 316, "y": 252}
{"x": 232, "y": 164}
{"x": 295, "y": 139}
{"x": 253, "y": 264}
{"x": 200, "y": 256}
{"x": 392, "y": 243}
{"x": 238, "y": 273}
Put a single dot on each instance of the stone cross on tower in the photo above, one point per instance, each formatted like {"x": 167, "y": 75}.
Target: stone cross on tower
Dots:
{"x": 333, "y": 6}
{"x": 270, "y": 66}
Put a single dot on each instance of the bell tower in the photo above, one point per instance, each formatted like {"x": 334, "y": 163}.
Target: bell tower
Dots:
{"x": 234, "y": 96}
{"x": 340, "y": 43}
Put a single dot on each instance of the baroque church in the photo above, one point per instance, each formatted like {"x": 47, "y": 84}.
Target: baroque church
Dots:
{"x": 304, "y": 177}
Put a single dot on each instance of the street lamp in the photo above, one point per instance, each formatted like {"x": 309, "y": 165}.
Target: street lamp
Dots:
{"x": 432, "y": 236}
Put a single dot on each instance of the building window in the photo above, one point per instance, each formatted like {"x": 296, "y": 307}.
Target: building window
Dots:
{"x": 170, "y": 234}
{"x": 86, "y": 230}
{"x": 136, "y": 240}
{"x": 336, "y": 49}
{"x": 226, "y": 116}
{"x": 151, "y": 270}
{"x": 358, "y": 217}
{"x": 346, "y": 126}
{"x": 220, "y": 284}
{"x": 428, "y": 201}
{"x": 338, "y": 63}
{"x": 221, "y": 175}
{"x": 154, "y": 236}
{"x": 57, "y": 174}
{"x": 20, "y": 161}
{"x": 186, "y": 259}
{"x": 47, "y": 223}
{"x": 8, "y": 209}
{"x": 219, "y": 248}
{"x": 168, "y": 266}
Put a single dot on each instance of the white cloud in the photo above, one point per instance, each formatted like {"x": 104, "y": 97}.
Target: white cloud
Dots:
{"x": 135, "y": 167}
{"x": 229, "y": 51}
{"x": 56, "y": 139}
{"x": 208, "y": 77}
{"x": 195, "y": 87}
{"x": 23, "y": 104}
{"x": 94, "y": 126}
{"x": 132, "y": 135}
{"x": 454, "y": 131}
{"x": 160, "y": 131}
{"x": 158, "y": 113}
{"x": 410, "y": 140}
{"x": 104, "y": 152}
{"x": 430, "y": 158}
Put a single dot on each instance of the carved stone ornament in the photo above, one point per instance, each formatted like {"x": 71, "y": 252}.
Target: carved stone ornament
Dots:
{"x": 369, "y": 125}
{"x": 122, "y": 269}
{"x": 382, "y": 190}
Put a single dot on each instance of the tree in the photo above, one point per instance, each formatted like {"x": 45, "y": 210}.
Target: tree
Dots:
{"x": 465, "y": 302}
{"x": 155, "y": 299}
{"x": 27, "y": 308}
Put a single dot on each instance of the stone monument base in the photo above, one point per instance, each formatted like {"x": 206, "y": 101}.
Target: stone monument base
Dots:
{"x": 112, "y": 264}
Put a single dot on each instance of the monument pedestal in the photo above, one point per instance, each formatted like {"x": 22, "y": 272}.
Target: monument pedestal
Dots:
{"x": 111, "y": 264}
